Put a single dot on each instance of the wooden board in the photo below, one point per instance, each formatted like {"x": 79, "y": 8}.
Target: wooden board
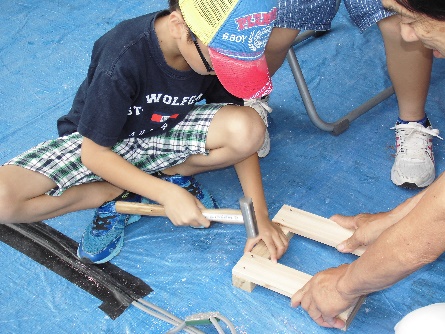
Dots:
{"x": 314, "y": 227}
{"x": 255, "y": 268}
{"x": 280, "y": 278}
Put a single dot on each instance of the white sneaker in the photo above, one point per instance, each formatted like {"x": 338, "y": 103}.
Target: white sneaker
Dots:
{"x": 262, "y": 108}
{"x": 414, "y": 163}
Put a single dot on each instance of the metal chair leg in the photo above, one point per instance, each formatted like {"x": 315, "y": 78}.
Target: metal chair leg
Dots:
{"x": 341, "y": 124}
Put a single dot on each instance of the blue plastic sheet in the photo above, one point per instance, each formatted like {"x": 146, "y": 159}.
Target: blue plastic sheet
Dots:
{"x": 44, "y": 54}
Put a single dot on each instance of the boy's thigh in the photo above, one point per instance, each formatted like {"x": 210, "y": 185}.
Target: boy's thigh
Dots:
{"x": 58, "y": 160}
{"x": 306, "y": 14}
{"x": 22, "y": 184}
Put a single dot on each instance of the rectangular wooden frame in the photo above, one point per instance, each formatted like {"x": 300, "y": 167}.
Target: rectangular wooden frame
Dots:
{"x": 255, "y": 268}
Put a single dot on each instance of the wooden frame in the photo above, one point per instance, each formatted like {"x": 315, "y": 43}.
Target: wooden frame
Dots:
{"x": 255, "y": 268}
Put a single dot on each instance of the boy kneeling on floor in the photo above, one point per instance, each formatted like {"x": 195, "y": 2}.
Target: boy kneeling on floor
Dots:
{"x": 135, "y": 132}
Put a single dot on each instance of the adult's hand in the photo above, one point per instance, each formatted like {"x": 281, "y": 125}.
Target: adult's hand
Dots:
{"x": 322, "y": 300}
{"x": 367, "y": 228}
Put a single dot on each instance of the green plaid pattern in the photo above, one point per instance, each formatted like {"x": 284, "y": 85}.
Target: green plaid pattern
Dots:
{"x": 59, "y": 159}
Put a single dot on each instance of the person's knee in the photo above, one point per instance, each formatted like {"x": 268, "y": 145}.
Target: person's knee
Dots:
{"x": 281, "y": 39}
{"x": 247, "y": 131}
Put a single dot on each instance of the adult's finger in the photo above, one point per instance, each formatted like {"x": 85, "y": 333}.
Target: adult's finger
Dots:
{"x": 297, "y": 297}
{"x": 349, "y": 222}
{"x": 349, "y": 245}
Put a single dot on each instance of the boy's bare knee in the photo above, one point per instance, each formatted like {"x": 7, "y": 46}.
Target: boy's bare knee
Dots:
{"x": 238, "y": 128}
{"x": 248, "y": 131}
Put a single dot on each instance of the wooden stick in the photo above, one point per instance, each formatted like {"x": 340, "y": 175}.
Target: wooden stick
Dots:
{"x": 280, "y": 278}
{"x": 227, "y": 216}
{"x": 314, "y": 227}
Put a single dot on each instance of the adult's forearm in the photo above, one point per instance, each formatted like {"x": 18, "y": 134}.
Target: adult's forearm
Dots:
{"x": 418, "y": 239}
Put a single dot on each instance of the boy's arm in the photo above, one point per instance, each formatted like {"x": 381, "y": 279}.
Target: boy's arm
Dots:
{"x": 181, "y": 207}
{"x": 249, "y": 175}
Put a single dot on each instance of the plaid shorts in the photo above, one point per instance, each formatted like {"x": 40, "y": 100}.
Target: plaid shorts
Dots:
{"x": 59, "y": 159}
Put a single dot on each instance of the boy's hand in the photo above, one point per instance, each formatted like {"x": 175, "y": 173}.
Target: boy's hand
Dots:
{"x": 274, "y": 238}
{"x": 184, "y": 209}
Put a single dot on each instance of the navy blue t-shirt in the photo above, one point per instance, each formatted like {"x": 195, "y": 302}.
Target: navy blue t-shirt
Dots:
{"x": 130, "y": 91}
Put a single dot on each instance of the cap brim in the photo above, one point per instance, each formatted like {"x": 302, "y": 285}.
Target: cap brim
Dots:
{"x": 243, "y": 79}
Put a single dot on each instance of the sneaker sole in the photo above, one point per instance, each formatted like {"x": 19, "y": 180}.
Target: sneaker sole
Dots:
{"x": 412, "y": 185}
{"x": 408, "y": 185}
{"x": 112, "y": 250}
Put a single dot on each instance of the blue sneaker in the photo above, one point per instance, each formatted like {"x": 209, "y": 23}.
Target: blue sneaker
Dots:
{"x": 190, "y": 184}
{"x": 104, "y": 237}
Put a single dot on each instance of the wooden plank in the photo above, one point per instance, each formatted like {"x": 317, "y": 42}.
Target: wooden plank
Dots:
{"x": 314, "y": 227}
{"x": 279, "y": 278}
{"x": 255, "y": 268}
{"x": 273, "y": 276}
{"x": 303, "y": 223}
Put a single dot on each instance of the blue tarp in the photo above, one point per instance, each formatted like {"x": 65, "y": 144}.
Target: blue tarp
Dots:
{"x": 44, "y": 54}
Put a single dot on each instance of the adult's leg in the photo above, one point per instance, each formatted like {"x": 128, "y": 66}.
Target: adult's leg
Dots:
{"x": 293, "y": 16}
{"x": 409, "y": 67}
{"x": 281, "y": 39}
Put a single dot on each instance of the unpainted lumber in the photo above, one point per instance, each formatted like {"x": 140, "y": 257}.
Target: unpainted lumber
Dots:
{"x": 255, "y": 268}
{"x": 280, "y": 278}
{"x": 314, "y": 227}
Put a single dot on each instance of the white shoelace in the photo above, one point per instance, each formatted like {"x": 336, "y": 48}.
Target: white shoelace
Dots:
{"x": 416, "y": 134}
{"x": 419, "y": 128}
